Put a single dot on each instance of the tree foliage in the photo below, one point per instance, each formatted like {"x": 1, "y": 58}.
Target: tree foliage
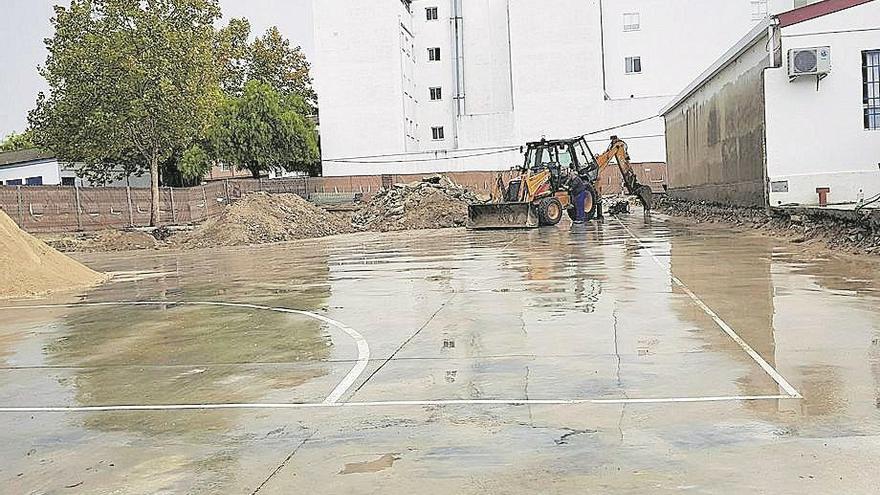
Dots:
{"x": 285, "y": 68}
{"x": 16, "y": 142}
{"x": 264, "y": 130}
{"x": 195, "y": 163}
{"x": 130, "y": 82}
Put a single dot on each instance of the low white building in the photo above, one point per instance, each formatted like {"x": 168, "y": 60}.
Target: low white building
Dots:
{"x": 790, "y": 115}
{"x": 411, "y": 86}
{"x": 33, "y": 168}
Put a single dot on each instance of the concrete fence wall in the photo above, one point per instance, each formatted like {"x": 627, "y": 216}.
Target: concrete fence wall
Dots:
{"x": 71, "y": 209}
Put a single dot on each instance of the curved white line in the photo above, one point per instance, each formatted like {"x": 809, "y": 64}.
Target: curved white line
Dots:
{"x": 338, "y": 392}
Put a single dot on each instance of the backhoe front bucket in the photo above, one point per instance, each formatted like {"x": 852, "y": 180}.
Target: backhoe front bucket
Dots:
{"x": 502, "y": 216}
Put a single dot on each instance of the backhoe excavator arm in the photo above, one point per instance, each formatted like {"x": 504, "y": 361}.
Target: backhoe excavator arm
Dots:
{"x": 617, "y": 151}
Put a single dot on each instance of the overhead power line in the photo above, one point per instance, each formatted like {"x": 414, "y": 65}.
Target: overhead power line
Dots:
{"x": 441, "y": 158}
{"x": 495, "y": 150}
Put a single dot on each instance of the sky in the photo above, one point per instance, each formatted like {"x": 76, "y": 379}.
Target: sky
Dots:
{"x": 25, "y": 23}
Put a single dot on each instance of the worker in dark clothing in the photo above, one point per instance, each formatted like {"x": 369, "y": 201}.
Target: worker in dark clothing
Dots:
{"x": 577, "y": 191}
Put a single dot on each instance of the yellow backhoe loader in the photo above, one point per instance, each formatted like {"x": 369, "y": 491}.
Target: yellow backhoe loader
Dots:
{"x": 536, "y": 196}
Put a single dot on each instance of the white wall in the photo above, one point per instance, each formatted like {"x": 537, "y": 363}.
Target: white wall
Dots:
{"x": 358, "y": 72}
{"x": 49, "y": 170}
{"x": 677, "y": 40}
{"x": 817, "y": 138}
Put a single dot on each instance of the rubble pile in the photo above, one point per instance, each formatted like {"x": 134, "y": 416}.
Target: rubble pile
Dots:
{"x": 835, "y": 233}
{"x": 435, "y": 202}
{"x": 261, "y": 218}
{"x": 714, "y": 212}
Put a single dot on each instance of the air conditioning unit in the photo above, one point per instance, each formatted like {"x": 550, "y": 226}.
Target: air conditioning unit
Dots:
{"x": 809, "y": 61}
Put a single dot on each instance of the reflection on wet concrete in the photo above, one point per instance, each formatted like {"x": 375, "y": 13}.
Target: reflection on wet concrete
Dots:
{"x": 382, "y": 463}
{"x": 732, "y": 278}
{"x": 548, "y": 314}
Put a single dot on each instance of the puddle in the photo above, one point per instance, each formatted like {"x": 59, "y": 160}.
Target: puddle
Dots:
{"x": 380, "y": 464}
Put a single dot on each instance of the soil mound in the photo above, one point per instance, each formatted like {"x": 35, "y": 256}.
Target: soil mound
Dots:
{"x": 261, "y": 218}
{"x": 103, "y": 241}
{"x": 29, "y": 267}
{"x": 433, "y": 203}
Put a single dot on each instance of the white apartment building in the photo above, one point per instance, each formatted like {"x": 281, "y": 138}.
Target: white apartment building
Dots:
{"x": 412, "y": 86}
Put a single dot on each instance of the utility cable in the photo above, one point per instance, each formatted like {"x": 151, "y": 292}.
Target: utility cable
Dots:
{"x": 627, "y": 124}
{"x": 428, "y": 159}
{"x": 497, "y": 150}
{"x": 869, "y": 201}
{"x": 390, "y": 155}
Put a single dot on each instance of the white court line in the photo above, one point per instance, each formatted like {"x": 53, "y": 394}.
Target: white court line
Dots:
{"x": 335, "y": 395}
{"x": 390, "y": 403}
{"x": 778, "y": 378}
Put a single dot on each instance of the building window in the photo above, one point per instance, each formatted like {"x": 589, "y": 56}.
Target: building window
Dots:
{"x": 34, "y": 181}
{"x": 13, "y": 182}
{"x": 436, "y": 94}
{"x": 431, "y": 13}
{"x": 633, "y": 65}
{"x": 437, "y": 133}
{"x": 759, "y": 10}
{"x": 631, "y": 21}
{"x": 871, "y": 92}
{"x": 68, "y": 181}
{"x": 433, "y": 54}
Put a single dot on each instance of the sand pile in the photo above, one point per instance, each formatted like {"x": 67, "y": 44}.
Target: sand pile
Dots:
{"x": 261, "y": 218}
{"x": 29, "y": 267}
{"x": 432, "y": 203}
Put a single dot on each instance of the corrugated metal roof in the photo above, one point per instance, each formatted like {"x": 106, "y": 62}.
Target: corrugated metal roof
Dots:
{"x": 815, "y": 10}
{"x": 24, "y": 156}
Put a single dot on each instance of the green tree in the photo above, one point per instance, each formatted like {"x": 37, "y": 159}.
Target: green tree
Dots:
{"x": 195, "y": 163}
{"x": 232, "y": 50}
{"x": 263, "y": 130}
{"x": 285, "y": 68}
{"x": 16, "y": 142}
{"x": 130, "y": 82}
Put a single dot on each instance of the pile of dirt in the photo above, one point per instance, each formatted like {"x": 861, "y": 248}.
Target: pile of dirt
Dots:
{"x": 435, "y": 202}
{"x": 103, "y": 241}
{"x": 261, "y": 218}
{"x": 814, "y": 228}
{"x": 29, "y": 267}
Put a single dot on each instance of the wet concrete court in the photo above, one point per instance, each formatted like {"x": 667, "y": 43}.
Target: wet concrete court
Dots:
{"x": 592, "y": 361}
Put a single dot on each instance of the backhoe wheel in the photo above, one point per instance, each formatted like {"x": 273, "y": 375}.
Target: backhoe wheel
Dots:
{"x": 549, "y": 212}
{"x": 591, "y": 205}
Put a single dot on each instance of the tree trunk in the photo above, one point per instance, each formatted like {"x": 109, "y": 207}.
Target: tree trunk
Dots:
{"x": 255, "y": 172}
{"x": 154, "y": 190}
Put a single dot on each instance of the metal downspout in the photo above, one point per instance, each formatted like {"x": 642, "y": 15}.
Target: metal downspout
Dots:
{"x": 602, "y": 49}
{"x": 458, "y": 43}
{"x": 773, "y": 48}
